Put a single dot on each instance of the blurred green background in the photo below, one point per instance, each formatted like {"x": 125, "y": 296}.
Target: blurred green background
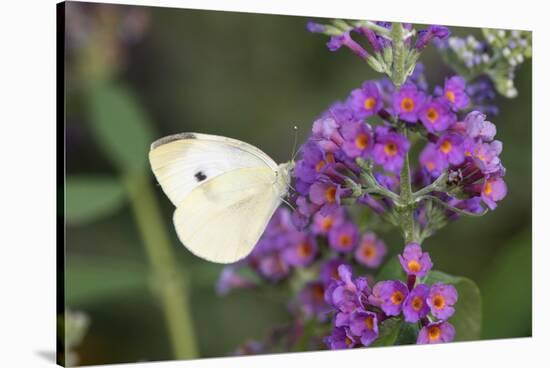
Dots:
{"x": 135, "y": 74}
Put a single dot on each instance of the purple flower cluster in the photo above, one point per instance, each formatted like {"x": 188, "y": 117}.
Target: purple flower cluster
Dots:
{"x": 376, "y": 41}
{"x": 282, "y": 247}
{"x": 463, "y": 148}
{"x": 358, "y": 309}
{"x": 470, "y": 154}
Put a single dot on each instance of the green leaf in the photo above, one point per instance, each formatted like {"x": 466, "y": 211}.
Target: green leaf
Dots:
{"x": 121, "y": 127}
{"x": 407, "y": 334}
{"x": 388, "y": 331}
{"x": 392, "y": 270}
{"x": 507, "y": 291}
{"x": 96, "y": 280}
{"x": 89, "y": 198}
{"x": 467, "y": 316}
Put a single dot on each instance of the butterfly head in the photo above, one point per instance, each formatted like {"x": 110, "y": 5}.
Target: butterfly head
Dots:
{"x": 284, "y": 172}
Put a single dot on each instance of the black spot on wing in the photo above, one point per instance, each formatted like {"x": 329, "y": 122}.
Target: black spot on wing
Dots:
{"x": 200, "y": 176}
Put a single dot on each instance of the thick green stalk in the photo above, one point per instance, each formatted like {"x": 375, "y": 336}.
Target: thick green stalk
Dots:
{"x": 407, "y": 211}
{"x": 398, "y": 66}
{"x": 169, "y": 281}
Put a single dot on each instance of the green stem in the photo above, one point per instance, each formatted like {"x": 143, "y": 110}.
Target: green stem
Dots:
{"x": 452, "y": 208}
{"x": 437, "y": 186}
{"x": 169, "y": 280}
{"x": 398, "y": 65}
{"x": 406, "y": 195}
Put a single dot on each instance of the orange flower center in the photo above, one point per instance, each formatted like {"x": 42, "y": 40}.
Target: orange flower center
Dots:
{"x": 417, "y": 303}
{"x": 334, "y": 273}
{"x": 430, "y": 166}
{"x": 362, "y": 141}
{"x": 370, "y": 103}
{"x": 318, "y": 292}
{"x": 446, "y": 147}
{"x": 432, "y": 115}
{"x": 397, "y": 297}
{"x": 480, "y": 156}
{"x": 369, "y": 322}
{"x": 319, "y": 165}
{"x": 345, "y": 240}
{"x": 438, "y": 301}
{"x": 450, "y": 95}
{"x": 369, "y": 251}
{"x": 407, "y": 104}
{"x": 390, "y": 149}
{"x": 304, "y": 250}
{"x": 330, "y": 194}
{"x": 434, "y": 332}
{"x": 414, "y": 265}
{"x": 348, "y": 341}
{"x": 487, "y": 189}
{"x": 322, "y": 163}
{"x": 326, "y": 223}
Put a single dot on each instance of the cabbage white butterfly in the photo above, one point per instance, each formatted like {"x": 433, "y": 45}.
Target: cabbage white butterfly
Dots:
{"x": 225, "y": 192}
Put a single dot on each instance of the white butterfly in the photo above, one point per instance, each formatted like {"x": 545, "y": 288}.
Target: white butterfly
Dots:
{"x": 225, "y": 192}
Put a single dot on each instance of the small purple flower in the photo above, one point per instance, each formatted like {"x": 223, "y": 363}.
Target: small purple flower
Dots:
{"x": 364, "y": 324}
{"x": 273, "y": 267}
{"x": 371, "y": 250}
{"x": 230, "y": 279}
{"x": 389, "y": 296}
{"x": 304, "y": 211}
{"x": 336, "y": 42}
{"x": 312, "y": 299}
{"x": 454, "y": 92}
{"x": 315, "y": 27}
{"x": 432, "y": 162}
{"x": 441, "y": 300}
{"x": 414, "y": 261}
{"x": 450, "y": 147}
{"x": 313, "y": 163}
{"x": 346, "y": 294}
{"x": 485, "y": 155}
{"x": 425, "y": 36}
{"x": 343, "y": 238}
{"x": 322, "y": 193}
{"x": 326, "y": 134}
{"x": 341, "y": 338}
{"x": 365, "y": 101}
{"x": 340, "y": 112}
{"x": 472, "y": 205}
{"x": 478, "y": 128}
{"x": 302, "y": 250}
{"x": 323, "y": 223}
{"x": 358, "y": 139}
{"x": 415, "y": 306}
{"x": 407, "y": 102}
{"x": 494, "y": 189}
{"x": 436, "y": 332}
{"x": 250, "y": 347}
{"x": 436, "y": 115}
{"x": 390, "y": 149}
{"x": 329, "y": 270}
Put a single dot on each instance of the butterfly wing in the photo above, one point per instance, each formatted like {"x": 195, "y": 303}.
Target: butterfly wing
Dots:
{"x": 181, "y": 162}
{"x": 222, "y": 219}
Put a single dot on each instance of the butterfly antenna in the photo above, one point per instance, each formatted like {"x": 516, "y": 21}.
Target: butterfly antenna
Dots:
{"x": 295, "y": 128}
{"x": 288, "y": 203}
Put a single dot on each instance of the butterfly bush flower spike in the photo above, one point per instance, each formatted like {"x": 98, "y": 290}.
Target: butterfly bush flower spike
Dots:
{"x": 393, "y": 153}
